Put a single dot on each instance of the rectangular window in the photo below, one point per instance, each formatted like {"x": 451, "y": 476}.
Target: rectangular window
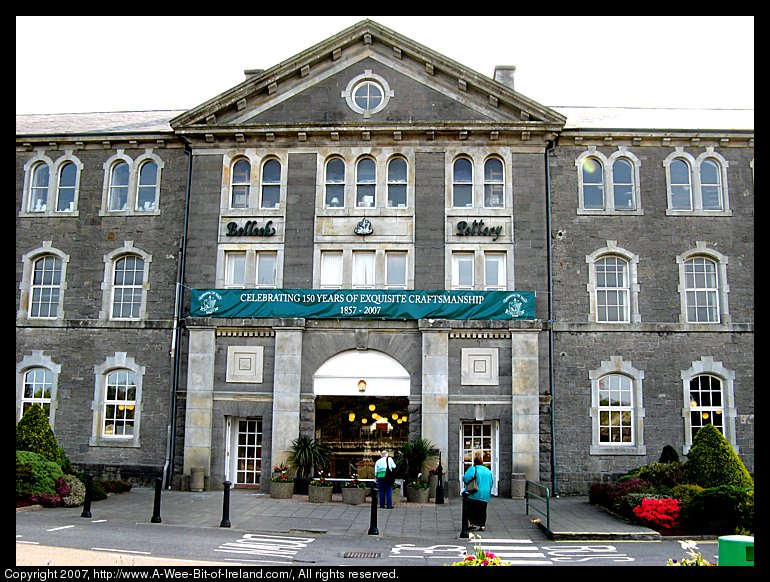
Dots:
{"x": 494, "y": 271}
{"x": 235, "y": 269}
{"x": 462, "y": 271}
{"x": 331, "y": 269}
{"x": 266, "y": 269}
{"x": 395, "y": 270}
{"x": 363, "y": 270}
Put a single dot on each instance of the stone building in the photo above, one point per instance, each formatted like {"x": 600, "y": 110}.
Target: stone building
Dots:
{"x": 369, "y": 243}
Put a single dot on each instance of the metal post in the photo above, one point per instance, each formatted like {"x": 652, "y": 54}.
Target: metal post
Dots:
{"x": 464, "y": 533}
{"x": 373, "y": 531}
{"x": 156, "y": 507}
{"x": 226, "y": 506}
{"x": 89, "y": 494}
{"x": 440, "y": 484}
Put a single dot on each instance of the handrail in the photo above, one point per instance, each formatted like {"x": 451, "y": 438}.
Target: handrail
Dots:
{"x": 543, "y": 495}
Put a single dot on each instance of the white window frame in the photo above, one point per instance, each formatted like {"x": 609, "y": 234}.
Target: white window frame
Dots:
{"x": 459, "y": 259}
{"x": 346, "y": 266}
{"x": 498, "y": 257}
{"x": 28, "y": 272}
{"x": 608, "y": 183}
{"x": 132, "y": 188}
{"x": 464, "y": 184}
{"x": 366, "y": 186}
{"x": 394, "y": 183}
{"x": 37, "y": 360}
{"x": 336, "y": 184}
{"x": 363, "y": 273}
{"x": 120, "y": 361}
{"x": 390, "y": 269}
{"x": 54, "y": 188}
{"x": 722, "y": 291}
{"x": 707, "y": 366}
{"x": 367, "y": 77}
{"x": 108, "y": 282}
{"x": 265, "y": 184}
{"x": 616, "y": 366}
{"x": 632, "y": 262}
{"x": 491, "y": 184}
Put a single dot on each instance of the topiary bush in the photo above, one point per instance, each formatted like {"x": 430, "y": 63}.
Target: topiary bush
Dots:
{"x": 712, "y": 461}
{"x": 33, "y": 433}
{"x": 684, "y": 492}
{"x": 660, "y": 474}
{"x": 44, "y": 473}
{"x": 715, "y": 510}
{"x": 668, "y": 455}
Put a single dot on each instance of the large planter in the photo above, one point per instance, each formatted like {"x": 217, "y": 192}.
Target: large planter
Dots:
{"x": 317, "y": 494}
{"x": 353, "y": 495}
{"x": 417, "y": 495}
{"x": 281, "y": 489}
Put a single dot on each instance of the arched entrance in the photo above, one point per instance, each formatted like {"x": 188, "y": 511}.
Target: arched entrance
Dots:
{"x": 362, "y": 399}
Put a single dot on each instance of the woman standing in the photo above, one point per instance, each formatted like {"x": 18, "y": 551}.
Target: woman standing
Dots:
{"x": 476, "y": 508}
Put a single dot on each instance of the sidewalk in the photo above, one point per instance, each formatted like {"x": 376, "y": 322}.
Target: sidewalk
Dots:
{"x": 571, "y": 518}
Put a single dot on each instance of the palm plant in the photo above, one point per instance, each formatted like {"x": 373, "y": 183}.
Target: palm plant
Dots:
{"x": 308, "y": 456}
{"x": 412, "y": 456}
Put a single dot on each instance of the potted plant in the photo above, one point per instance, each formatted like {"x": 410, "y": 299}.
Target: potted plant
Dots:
{"x": 354, "y": 492}
{"x": 417, "y": 491}
{"x": 411, "y": 457}
{"x": 306, "y": 457}
{"x": 282, "y": 484}
{"x": 320, "y": 490}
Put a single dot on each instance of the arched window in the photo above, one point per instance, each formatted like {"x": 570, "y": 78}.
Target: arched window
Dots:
{"x": 366, "y": 183}
{"x": 711, "y": 185}
{"x": 128, "y": 287}
{"x": 38, "y": 199}
{"x": 397, "y": 179}
{"x": 147, "y": 196}
{"x": 271, "y": 184}
{"x": 240, "y": 184}
{"x": 65, "y": 197}
{"x": 494, "y": 183}
{"x": 680, "y": 180}
{"x": 119, "y": 186}
{"x": 462, "y": 183}
{"x": 335, "y": 183}
{"x": 119, "y": 405}
{"x": 593, "y": 184}
{"x": 612, "y": 290}
{"x": 46, "y": 287}
{"x": 701, "y": 290}
{"x": 616, "y": 410}
{"x": 706, "y": 403}
{"x": 37, "y": 390}
{"x": 623, "y": 184}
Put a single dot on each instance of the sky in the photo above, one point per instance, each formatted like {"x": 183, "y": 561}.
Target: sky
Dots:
{"x": 77, "y": 64}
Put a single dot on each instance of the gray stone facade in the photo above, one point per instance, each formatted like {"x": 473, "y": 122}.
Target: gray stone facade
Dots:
{"x": 535, "y": 387}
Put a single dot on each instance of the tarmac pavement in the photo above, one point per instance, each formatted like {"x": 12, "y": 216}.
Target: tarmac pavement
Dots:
{"x": 565, "y": 518}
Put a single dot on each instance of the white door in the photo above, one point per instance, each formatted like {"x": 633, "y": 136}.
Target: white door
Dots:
{"x": 243, "y": 451}
{"x": 480, "y": 436}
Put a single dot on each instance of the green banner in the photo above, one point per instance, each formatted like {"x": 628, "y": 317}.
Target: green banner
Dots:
{"x": 362, "y": 304}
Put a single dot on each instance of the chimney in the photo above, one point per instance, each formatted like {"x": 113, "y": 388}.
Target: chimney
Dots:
{"x": 504, "y": 74}
{"x": 252, "y": 72}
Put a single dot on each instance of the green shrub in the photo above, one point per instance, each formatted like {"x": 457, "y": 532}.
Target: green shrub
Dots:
{"x": 44, "y": 472}
{"x": 684, "y": 492}
{"x": 668, "y": 455}
{"x": 33, "y": 433}
{"x": 716, "y": 510}
{"x": 77, "y": 492}
{"x": 662, "y": 474}
{"x": 746, "y": 514}
{"x": 97, "y": 491}
{"x": 25, "y": 476}
{"x": 712, "y": 462}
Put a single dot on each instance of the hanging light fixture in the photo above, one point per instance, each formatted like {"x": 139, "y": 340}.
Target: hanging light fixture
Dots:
{"x": 395, "y": 416}
{"x": 403, "y": 418}
{"x": 375, "y": 416}
{"x": 352, "y": 416}
{"x": 362, "y": 385}
{"x": 372, "y": 407}
{"x": 705, "y": 415}
{"x": 364, "y": 420}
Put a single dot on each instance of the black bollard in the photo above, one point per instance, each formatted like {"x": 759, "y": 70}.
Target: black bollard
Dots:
{"x": 464, "y": 533}
{"x": 373, "y": 531}
{"x": 156, "y": 506}
{"x": 440, "y": 484}
{"x": 89, "y": 494}
{"x": 226, "y": 506}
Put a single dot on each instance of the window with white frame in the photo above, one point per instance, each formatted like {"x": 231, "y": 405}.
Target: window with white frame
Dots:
{"x": 697, "y": 185}
{"x": 478, "y": 269}
{"x": 334, "y": 195}
{"x": 128, "y": 287}
{"x": 703, "y": 289}
{"x": 494, "y": 271}
{"x": 331, "y": 269}
{"x": 617, "y": 408}
{"x": 267, "y": 269}
{"x": 462, "y": 183}
{"x": 494, "y": 183}
{"x": 240, "y": 185}
{"x": 367, "y": 93}
{"x": 608, "y": 184}
{"x": 36, "y": 379}
{"x": 613, "y": 287}
{"x": 132, "y": 187}
{"x": 366, "y": 183}
{"x": 38, "y": 383}
{"x": 463, "y": 270}
{"x": 51, "y": 188}
{"x": 363, "y": 269}
{"x": 235, "y": 269}
{"x": 117, "y": 402}
{"x": 271, "y": 184}
{"x": 709, "y": 398}
{"x": 397, "y": 182}
{"x": 45, "y": 289}
{"x": 395, "y": 270}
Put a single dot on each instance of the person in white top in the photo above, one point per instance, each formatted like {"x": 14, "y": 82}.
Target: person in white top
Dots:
{"x": 386, "y": 489}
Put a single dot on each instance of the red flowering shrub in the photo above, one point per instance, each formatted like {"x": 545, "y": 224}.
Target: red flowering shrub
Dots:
{"x": 659, "y": 513}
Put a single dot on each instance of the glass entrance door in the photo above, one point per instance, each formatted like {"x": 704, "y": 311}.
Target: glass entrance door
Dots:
{"x": 244, "y": 451}
{"x": 483, "y": 437}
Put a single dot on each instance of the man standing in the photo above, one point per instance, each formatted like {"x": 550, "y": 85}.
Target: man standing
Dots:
{"x": 385, "y": 487}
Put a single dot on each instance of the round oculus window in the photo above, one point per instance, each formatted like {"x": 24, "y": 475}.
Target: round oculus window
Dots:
{"x": 367, "y": 93}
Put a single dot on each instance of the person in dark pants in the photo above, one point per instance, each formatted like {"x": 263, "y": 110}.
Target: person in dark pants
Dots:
{"x": 386, "y": 489}
{"x": 477, "y": 502}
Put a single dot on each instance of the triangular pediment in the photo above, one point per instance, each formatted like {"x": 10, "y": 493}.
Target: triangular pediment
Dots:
{"x": 313, "y": 90}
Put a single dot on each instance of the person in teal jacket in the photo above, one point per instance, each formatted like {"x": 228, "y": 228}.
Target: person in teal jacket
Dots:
{"x": 477, "y": 502}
